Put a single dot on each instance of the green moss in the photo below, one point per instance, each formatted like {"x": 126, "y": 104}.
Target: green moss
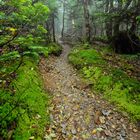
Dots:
{"x": 23, "y": 102}
{"x": 55, "y": 49}
{"x": 112, "y": 82}
{"x": 27, "y": 106}
{"x": 34, "y": 100}
{"x": 85, "y": 57}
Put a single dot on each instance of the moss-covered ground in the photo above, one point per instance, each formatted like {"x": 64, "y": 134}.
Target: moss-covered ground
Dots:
{"x": 24, "y": 103}
{"x": 109, "y": 75}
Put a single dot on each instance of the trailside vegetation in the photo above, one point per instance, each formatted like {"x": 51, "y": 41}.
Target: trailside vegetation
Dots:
{"x": 24, "y": 104}
{"x": 23, "y": 41}
{"x": 111, "y": 75}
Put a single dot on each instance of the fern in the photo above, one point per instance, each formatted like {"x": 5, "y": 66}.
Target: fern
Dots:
{"x": 34, "y": 55}
{"x": 39, "y": 50}
{"x": 9, "y": 56}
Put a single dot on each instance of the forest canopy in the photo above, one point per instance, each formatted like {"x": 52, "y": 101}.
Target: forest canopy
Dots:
{"x": 91, "y": 20}
{"x": 80, "y": 20}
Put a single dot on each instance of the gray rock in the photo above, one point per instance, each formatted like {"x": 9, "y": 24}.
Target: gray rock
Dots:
{"x": 119, "y": 137}
{"x": 73, "y": 131}
{"x": 64, "y": 131}
{"x": 106, "y": 113}
{"x": 123, "y": 133}
{"x": 63, "y": 125}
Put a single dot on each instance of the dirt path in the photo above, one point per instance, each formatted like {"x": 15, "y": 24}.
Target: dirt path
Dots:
{"x": 76, "y": 113}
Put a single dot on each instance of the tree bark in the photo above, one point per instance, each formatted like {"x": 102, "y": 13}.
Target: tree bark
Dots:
{"x": 118, "y": 19}
{"x": 87, "y": 20}
{"x": 63, "y": 20}
{"x": 109, "y": 23}
{"x": 53, "y": 24}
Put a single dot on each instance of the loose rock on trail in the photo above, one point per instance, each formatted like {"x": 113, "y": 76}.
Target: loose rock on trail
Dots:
{"x": 76, "y": 112}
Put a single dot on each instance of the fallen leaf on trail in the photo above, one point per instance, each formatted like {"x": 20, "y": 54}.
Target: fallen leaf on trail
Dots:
{"x": 135, "y": 130}
{"x": 94, "y": 131}
{"x": 96, "y": 117}
{"x": 107, "y": 133}
{"x": 99, "y": 129}
{"x": 102, "y": 119}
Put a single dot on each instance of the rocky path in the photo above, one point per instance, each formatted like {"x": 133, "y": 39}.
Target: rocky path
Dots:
{"x": 76, "y": 112}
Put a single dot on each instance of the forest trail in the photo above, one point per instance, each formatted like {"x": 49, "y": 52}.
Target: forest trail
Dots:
{"x": 77, "y": 113}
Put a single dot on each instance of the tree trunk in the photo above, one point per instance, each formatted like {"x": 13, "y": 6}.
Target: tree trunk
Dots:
{"x": 63, "y": 22}
{"x": 118, "y": 20}
{"x": 48, "y": 34}
{"x": 53, "y": 24}
{"x": 87, "y": 20}
{"x": 108, "y": 9}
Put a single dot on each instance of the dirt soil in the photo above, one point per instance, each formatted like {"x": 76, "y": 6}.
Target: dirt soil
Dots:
{"x": 76, "y": 112}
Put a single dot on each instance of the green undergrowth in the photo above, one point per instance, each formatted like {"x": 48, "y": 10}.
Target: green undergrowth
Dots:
{"x": 101, "y": 38}
{"x": 113, "y": 82}
{"x": 23, "y": 102}
{"x": 54, "y": 49}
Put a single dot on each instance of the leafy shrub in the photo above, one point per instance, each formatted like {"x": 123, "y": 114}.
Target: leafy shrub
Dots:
{"x": 9, "y": 56}
{"x": 33, "y": 55}
{"x": 23, "y": 101}
{"x": 40, "y": 50}
{"x": 55, "y": 49}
